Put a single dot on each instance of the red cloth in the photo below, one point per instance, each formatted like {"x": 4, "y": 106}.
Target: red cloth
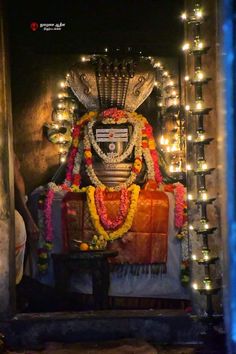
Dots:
{"x": 146, "y": 241}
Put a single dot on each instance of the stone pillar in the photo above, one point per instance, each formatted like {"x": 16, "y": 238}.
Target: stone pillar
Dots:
{"x": 7, "y": 240}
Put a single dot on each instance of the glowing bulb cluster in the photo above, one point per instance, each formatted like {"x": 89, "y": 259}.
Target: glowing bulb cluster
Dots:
{"x": 187, "y": 107}
{"x": 199, "y": 14}
{"x": 190, "y": 197}
{"x": 189, "y": 138}
{"x": 184, "y": 16}
{"x": 186, "y": 46}
{"x": 207, "y": 284}
{"x": 203, "y": 195}
{"x": 199, "y": 106}
{"x": 199, "y": 75}
{"x": 188, "y": 167}
{"x": 62, "y": 158}
{"x": 163, "y": 140}
{"x": 194, "y": 257}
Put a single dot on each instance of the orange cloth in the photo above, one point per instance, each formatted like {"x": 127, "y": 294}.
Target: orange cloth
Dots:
{"x": 146, "y": 241}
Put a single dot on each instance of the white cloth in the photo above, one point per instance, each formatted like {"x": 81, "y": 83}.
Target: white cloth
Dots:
{"x": 20, "y": 241}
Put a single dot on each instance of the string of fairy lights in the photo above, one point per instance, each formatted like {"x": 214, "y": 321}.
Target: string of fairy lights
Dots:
{"x": 196, "y": 142}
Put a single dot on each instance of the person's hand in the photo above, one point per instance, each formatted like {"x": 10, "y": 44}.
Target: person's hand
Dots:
{"x": 32, "y": 230}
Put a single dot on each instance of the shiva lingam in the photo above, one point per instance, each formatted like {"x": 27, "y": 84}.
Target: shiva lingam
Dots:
{"x": 103, "y": 83}
{"x": 112, "y": 154}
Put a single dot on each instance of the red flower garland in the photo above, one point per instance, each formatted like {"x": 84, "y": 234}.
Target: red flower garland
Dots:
{"x": 102, "y": 212}
{"x": 114, "y": 113}
{"x": 149, "y": 142}
{"x": 48, "y": 216}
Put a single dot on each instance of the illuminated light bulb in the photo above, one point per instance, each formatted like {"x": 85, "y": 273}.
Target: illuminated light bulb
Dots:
{"x": 189, "y": 137}
{"x": 174, "y": 148}
{"x": 62, "y": 84}
{"x": 62, "y": 158}
{"x": 171, "y": 83}
{"x": 172, "y": 168}
{"x": 199, "y": 105}
{"x": 204, "y": 166}
{"x": 61, "y": 139}
{"x": 178, "y": 169}
{"x": 206, "y": 226}
{"x": 191, "y": 227}
{"x": 61, "y": 150}
{"x": 162, "y": 140}
{"x": 60, "y": 116}
{"x": 200, "y": 45}
{"x": 187, "y": 107}
{"x": 204, "y": 196}
{"x": 201, "y": 137}
{"x": 165, "y": 73}
{"x": 175, "y": 102}
{"x": 155, "y": 83}
{"x": 67, "y": 75}
{"x": 195, "y": 286}
{"x": 173, "y": 93}
{"x": 188, "y": 167}
{"x": 83, "y": 59}
{"x": 168, "y": 149}
{"x": 208, "y": 286}
{"x": 60, "y": 95}
{"x": 158, "y": 64}
{"x": 190, "y": 197}
{"x": 206, "y": 257}
{"x": 186, "y": 78}
{"x": 56, "y": 126}
{"x": 106, "y": 50}
{"x": 200, "y": 75}
{"x": 160, "y": 104}
{"x": 186, "y": 46}
{"x": 166, "y": 141}
{"x": 184, "y": 16}
{"x": 194, "y": 257}
{"x": 199, "y": 14}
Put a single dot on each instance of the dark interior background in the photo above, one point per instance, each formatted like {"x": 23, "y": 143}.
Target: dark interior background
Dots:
{"x": 39, "y": 59}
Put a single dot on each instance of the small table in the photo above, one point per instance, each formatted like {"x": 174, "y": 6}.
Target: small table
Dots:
{"x": 94, "y": 261}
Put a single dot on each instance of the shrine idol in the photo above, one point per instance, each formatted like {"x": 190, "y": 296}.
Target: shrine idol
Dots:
{"x": 110, "y": 194}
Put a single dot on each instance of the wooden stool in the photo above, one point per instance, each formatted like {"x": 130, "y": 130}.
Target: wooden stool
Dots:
{"x": 94, "y": 261}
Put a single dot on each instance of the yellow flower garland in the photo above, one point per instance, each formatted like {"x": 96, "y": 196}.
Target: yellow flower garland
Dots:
{"x": 129, "y": 218}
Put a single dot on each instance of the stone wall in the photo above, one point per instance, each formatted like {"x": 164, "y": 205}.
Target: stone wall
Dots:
{"x": 34, "y": 86}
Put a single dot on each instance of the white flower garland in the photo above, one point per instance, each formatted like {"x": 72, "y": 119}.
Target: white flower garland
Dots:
{"x": 78, "y": 159}
{"x": 120, "y": 158}
{"x": 149, "y": 163}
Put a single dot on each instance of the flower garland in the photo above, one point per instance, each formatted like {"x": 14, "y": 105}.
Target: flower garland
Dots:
{"x": 112, "y": 116}
{"x": 45, "y": 230}
{"x": 109, "y": 236}
{"x": 74, "y": 159}
{"x": 102, "y": 212}
{"x": 48, "y": 216}
{"x": 148, "y": 144}
{"x": 92, "y": 175}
